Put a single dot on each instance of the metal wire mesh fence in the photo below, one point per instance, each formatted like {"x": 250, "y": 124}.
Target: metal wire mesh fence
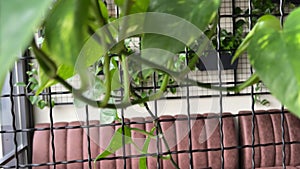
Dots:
{"x": 250, "y": 139}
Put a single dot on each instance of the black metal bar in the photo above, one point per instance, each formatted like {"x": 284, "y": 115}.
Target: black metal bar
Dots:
{"x": 184, "y": 85}
{"x": 283, "y": 136}
{"x": 123, "y": 120}
{"x": 123, "y": 133}
{"x": 156, "y": 131}
{"x": 28, "y": 108}
{"x": 125, "y": 156}
{"x": 246, "y": 15}
{"x": 138, "y": 88}
{"x": 87, "y": 120}
{"x": 233, "y": 17}
{"x": 12, "y": 111}
{"x": 281, "y": 10}
{"x": 189, "y": 117}
{"x": 52, "y": 131}
{"x": 184, "y": 97}
{"x": 220, "y": 92}
{"x": 127, "y": 123}
{"x": 32, "y": 94}
{"x": 153, "y": 154}
{"x": 235, "y": 79}
{"x": 123, "y": 139}
{"x": 253, "y": 120}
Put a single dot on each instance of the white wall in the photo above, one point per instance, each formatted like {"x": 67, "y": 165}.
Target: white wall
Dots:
{"x": 165, "y": 107}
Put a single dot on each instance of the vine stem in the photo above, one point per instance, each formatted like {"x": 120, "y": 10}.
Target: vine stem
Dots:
{"x": 252, "y": 80}
{"x": 51, "y": 72}
{"x": 157, "y": 124}
{"x": 126, "y": 82}
{"x": 159, "y": 129}
{"x": 179, "y": 76}
{"x": 107, "y": 81}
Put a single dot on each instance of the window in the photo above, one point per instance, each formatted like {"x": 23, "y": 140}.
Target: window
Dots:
{"x": 23, "y": 117}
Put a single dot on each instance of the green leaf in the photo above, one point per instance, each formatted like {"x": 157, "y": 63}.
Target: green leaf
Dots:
{"x": 139, "y": 6}
{"x": 146, "y": 73}
{"x": 52, "y": 103}
{"x": 18, "y": 19}
{"x": 107, "y": 116}
{"x": 65, "y": 35}
{"x": 21, "y": 84}
{"x": 33, "y": 86}
{"x": 64, "y": 71}
{"x": 32, "y": 72}
{"x": 120, "y": 3}
{"x": 33, "y": 80}
{"x": 103, "y": 9}
{"x": 173, "y": 90}
{"x": 33, "y": 99}
{"x": 266, "y": 21}
{"x": 143, "y": 160}
{"x": 41, "y": 104}
{"x": 116, "y": 142}
{"x": 115, "y": 79}
{"x": 132, "y": 6}
{"x": 275, "y": 56}
{"x": 200, "y": 13}
{"x": 65, "y": 31}
{"x": 265, "y": 102}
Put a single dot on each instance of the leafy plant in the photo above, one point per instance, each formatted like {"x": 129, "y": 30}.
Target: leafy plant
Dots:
{"x": 17, "y": 29}
{"x": 261, "y": 7}
{"x": 274, "y": 53}
{"x": 230, "y": 41}
{"x": 67, "y": 50}
{"x": 257, "y": 98}
{"x": 32, "y": 86}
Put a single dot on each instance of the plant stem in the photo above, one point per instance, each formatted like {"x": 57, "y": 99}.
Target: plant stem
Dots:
{"x": 143, "y": 132}
{"x": 163, "y": 86}
{"x": 107, "y": 81}
{"x": 166, "y": 144}
{"x": 45, "y": 62}
{"x": 252, "y": 80}
{"x": 158, "y": 126}
{"x": 126, "y": 79}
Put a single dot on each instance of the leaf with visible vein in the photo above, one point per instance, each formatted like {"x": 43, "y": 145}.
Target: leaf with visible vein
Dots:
{"x": 116, "y": 142}
{"x": 275, "y": 56}
{"x": 65, "y": 35}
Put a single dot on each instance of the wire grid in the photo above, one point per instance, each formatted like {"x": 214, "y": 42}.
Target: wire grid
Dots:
{"x": 230, "y": 77}
{"x": 15, "y": 130}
